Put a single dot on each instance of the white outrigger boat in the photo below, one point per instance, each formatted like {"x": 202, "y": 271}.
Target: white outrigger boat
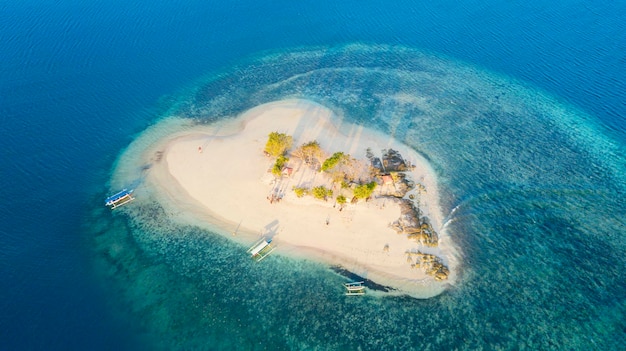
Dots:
{"x": 261, "y": 249}
{"x": 119, "y": 199}
{"x": 355, "y": 288}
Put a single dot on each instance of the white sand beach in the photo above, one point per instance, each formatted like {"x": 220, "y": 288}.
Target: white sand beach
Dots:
{"x": 220, "y": 176}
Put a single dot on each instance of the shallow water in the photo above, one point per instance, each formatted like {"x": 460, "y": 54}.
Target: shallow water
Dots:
{"x": 532, "y": 186}
{"x": 528, "y": 186}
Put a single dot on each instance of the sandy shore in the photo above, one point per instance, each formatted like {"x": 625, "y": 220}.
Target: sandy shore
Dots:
{"x": 220, "y": 175}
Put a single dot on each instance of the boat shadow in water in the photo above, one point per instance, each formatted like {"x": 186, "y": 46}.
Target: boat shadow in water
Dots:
{"x": 355, "y": 277}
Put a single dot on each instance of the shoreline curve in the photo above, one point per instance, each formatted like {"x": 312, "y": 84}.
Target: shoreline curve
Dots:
{"x": 217, "y": 177}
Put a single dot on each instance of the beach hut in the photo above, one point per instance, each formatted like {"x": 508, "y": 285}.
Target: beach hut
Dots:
{"x": 287, "y": 171}
{"x": 387, "y": 179}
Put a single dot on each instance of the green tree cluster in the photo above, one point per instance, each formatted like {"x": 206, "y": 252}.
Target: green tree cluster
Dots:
{"x": 278, "y": 143}
{"x": 277, "y": 169}
{"x": 300, "y": 191}
{"x": 341, "y": 199}
{"x": 321, "y": 192}
{"x": 364, "y": 191}
{"x": 334, "y": 160}
{"x": 309, "y": 152}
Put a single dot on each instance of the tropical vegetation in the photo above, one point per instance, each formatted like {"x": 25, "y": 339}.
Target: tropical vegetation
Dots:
{"x": 278, "y": 143}
{"x": 364, "y": 191}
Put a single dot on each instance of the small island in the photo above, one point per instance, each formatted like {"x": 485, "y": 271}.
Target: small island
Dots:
{"x": 321, "y": 188}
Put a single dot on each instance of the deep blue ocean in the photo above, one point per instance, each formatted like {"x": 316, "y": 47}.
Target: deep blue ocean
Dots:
{"x": 519, "y": 105}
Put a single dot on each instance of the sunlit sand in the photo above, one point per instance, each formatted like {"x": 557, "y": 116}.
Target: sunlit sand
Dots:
{"x": 219, "y": 175}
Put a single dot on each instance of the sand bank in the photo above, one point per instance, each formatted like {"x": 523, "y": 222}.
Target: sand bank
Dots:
{"x": 220, "y": 176}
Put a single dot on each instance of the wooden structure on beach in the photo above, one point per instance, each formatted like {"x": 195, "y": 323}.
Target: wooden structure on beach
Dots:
{"x": 355, "y": 288}
{"x": 121, "y": 198}
{"x": 261, "y": 249}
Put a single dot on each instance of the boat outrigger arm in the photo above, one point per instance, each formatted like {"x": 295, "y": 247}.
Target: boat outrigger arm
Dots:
{"x": 119, "y": 199}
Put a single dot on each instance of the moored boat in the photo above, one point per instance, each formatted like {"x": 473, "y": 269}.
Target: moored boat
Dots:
{"x": 121, "y": 198}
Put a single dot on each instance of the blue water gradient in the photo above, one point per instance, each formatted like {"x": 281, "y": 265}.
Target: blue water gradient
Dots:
{"x": 79, "y": 80}
{"x": 527, "y": 184}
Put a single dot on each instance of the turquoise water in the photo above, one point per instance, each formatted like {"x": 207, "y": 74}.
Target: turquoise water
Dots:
{"x": 519, "y": 106}
{"x": 527, "y": 183}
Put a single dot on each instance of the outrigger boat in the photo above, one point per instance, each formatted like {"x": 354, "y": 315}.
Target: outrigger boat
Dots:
{"x": 355, "y": 289}
{"x": 261, "y": 249}
{"x": 119, "y": 199}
